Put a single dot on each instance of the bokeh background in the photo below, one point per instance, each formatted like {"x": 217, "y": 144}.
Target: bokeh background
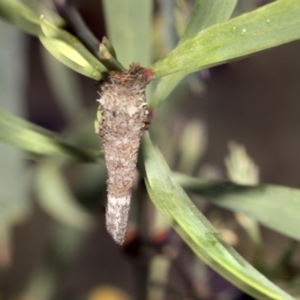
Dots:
{"x": 52, "y": 249}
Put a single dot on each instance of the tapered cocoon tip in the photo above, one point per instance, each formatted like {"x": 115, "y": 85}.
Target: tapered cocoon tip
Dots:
{"x": 117, "y": 212}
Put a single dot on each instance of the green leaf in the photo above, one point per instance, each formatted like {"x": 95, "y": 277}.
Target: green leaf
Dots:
{"x": 129, "y": 29}
{"x": 274, "y": 206}
{"x": 269, "y": 26}
{"x": 70, "y": 51}
{"x": 18, "y": 14}
{"x": 29, "y": 137}
{"x": 64, "y": 85}
{"x": 205, "y": 14}
{"x": 62, "y": 45}
{"x": 15, "y": 203}
{"x": 55, "y": 197}
{"x": 200, "y": 235}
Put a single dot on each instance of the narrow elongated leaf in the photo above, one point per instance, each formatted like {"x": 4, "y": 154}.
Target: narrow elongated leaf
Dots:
{"x": 18, "y": 14}
{"x": 276, "y": 207}
{"x": 62, "y": 45}
{"x": 15, "y": 202}
{"x": 64, "y": 85}
{"x": 29, "y": 137}
{"x": 195, "y": 229}
{"x": 129, "y": 29}
{"x": 56, "y": 198}
{"x": 205, "y": 14}
{"x": 69, "y": 50}
{"x": 269, "y": 26}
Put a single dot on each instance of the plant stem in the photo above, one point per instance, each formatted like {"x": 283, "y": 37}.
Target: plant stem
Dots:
{"x": 76, "y": 23}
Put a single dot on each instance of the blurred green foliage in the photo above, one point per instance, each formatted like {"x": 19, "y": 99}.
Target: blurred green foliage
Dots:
{"x": 208, "y": 39}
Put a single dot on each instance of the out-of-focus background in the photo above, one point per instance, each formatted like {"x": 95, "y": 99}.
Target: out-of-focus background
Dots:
{"x": 52, "y": 249}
